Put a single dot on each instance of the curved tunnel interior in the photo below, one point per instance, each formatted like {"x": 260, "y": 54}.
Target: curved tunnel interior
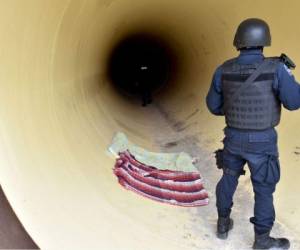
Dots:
{"x": 141, "y": 63}
{"x": 70, "y": 72}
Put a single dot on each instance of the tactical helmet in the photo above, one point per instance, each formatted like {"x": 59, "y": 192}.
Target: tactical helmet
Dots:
{"x": 252, "y": 32}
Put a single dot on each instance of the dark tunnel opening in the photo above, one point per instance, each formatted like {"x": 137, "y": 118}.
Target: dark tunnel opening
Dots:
{"x": 140, "y": 64}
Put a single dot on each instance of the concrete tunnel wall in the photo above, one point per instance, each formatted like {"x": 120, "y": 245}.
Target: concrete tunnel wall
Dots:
{"x": 59, "y": 112}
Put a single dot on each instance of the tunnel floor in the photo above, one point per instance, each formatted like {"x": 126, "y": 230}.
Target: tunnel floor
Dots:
{"x": 177, "y": 137}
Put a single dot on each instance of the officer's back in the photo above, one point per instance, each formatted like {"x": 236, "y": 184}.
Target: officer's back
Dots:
{"x": 284, "y": 86}
{"x": 249, "y": 91}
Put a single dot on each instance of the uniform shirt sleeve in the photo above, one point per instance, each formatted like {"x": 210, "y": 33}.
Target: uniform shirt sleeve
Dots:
{"x": 287, "y": 88}
{"x": 214, "y": 98}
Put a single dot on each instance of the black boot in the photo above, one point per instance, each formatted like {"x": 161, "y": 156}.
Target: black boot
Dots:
{"x": 224, "y": 225}
{"x": 264, "y": 241}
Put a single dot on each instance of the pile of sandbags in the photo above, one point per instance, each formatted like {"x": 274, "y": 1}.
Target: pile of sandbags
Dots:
{"x": 169, "y": 186}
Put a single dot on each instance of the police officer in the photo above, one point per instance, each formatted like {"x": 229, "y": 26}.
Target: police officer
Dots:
{"x": 252, "y": 109}
{"x": 143, "y": 83}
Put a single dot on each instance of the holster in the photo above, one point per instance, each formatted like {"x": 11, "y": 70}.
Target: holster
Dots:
{"x": 219, "y": 158}
{"x": 220, "y": 164}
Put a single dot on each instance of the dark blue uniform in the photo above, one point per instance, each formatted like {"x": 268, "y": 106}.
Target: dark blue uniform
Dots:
{"x": 257, "y": 148}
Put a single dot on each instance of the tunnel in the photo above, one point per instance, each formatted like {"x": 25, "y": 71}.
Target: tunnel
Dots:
{"x": 140, "y": 63}
{"x": 60, "y": 108}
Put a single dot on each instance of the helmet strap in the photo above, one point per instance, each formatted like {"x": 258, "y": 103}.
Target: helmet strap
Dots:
{"x": 252, "y": 48}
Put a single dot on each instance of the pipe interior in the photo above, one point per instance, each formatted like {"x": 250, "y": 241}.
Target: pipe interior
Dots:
{"x": 60, "y": 108}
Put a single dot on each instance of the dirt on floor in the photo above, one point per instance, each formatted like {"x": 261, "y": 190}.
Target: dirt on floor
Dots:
{"x": 172, "y": 139}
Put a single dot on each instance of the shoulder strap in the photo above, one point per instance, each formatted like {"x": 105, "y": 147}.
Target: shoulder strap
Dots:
{"x": 248, "y": 82}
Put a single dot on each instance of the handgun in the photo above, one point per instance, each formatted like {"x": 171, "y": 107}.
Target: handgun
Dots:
{"x": 287, "y": 61}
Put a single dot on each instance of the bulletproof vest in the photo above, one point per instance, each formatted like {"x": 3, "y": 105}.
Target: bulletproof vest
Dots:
{"x": 257, "y": 107}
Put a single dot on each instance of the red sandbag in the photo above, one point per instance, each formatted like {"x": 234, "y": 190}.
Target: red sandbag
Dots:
{"x": 196, "y": 203}
{"x": 189, "y": 186}
{"x": 173, "y": 187}
{"x": 161, "y": 174}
